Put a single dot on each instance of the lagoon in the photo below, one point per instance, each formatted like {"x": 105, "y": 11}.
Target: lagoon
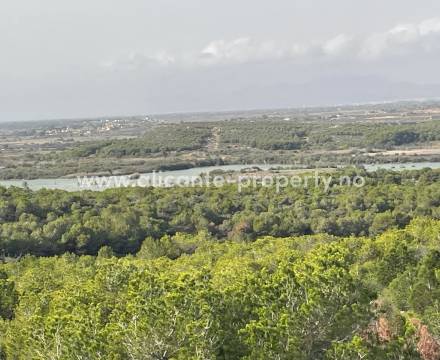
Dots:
{"x": 73, "y": 184}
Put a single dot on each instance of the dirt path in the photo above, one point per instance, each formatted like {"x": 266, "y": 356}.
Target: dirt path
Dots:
{"x": 214, "y": 141}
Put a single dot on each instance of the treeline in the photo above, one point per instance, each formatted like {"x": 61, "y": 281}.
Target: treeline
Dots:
{"x": 104, "y": 167}
{"x": 305, "y": 298}
{"x": 296, "y": 142}
{"x": 163, "y": 138}
{"x": 265, "y": 135}
{"x": 293, "y": 135}
{"x": 50, "y": 222}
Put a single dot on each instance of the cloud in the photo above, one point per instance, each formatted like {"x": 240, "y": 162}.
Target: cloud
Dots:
{"x": 400, "y": 40}
{"x": 136, "y": 60}
{"x": 240, "y": 50}
{"x": 428, "y": 27}
{"x": 339, "y": 45}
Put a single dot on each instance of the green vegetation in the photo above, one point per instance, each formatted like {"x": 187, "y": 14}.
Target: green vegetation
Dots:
{"x": 53, "y": 222}
{"x": 313, "y": 297}
{"x": 291, "y": 135}
{"x": 265, "y": 135}
{"x": 159, "y": 139}
{"x": 303, "y": 142}
{"x": 224, "y": 273}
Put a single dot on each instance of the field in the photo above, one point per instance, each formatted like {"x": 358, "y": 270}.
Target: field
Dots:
{"x": 404, "y": 132}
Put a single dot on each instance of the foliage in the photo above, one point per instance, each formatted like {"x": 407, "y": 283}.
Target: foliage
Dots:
{"x": 50, "y": 222}
{"x": 292, "y": 298}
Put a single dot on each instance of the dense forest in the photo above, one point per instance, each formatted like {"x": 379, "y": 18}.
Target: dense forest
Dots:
{"x": 49, "y": 222}
{"x": 217, "y": 273}
{"x": 312, "y": 297}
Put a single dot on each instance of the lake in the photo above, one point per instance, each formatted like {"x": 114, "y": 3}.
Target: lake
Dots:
{"x": 403, "y": 166}
{"x": 74, "y": 185}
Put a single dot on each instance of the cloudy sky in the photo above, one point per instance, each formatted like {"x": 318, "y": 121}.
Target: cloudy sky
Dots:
{"x": 85, "y": 58}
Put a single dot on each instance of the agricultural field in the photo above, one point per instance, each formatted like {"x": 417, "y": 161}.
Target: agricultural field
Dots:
{"x": 318, "y": 137}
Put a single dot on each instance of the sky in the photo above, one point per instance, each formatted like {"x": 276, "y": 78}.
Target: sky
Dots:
{"x": 90, "y": 58}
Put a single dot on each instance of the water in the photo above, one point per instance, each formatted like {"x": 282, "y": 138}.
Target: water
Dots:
{"x": 73, "y": 185}
{"x": 402, "y": 166}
